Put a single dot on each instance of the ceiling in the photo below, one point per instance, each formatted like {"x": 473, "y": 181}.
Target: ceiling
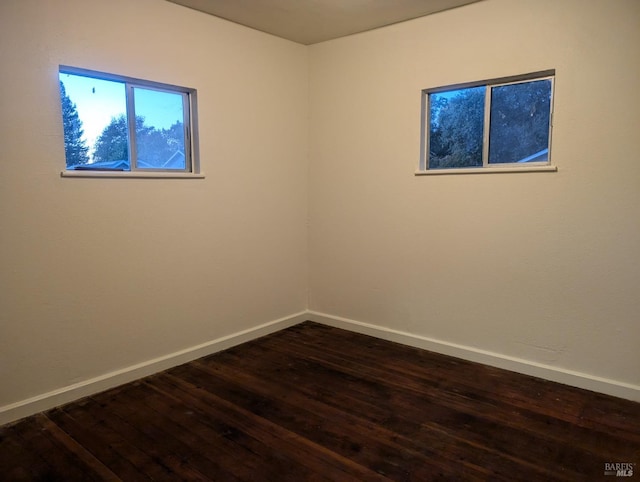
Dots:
{"x": 312, "y": 21}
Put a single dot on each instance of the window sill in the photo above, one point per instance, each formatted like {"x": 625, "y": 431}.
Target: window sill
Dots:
{"x": 485, "y": 170}
{"x": 136, "y": 174}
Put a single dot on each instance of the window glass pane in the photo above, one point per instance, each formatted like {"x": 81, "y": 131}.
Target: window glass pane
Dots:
{"x": 160, "y": 139}
{"x": 456, "y": 123}
{"x": 95, "y": 123}
{"x": 519, "y": 130}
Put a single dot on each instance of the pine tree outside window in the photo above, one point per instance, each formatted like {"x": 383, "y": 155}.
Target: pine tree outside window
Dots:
{"x": 75, "y": 146}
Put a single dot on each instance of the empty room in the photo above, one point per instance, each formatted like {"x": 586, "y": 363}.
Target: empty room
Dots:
{"x": 320, "y": 240}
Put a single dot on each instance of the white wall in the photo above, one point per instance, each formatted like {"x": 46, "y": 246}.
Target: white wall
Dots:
{"x": 101, "y": 274}
{"x": 540, "y": 267}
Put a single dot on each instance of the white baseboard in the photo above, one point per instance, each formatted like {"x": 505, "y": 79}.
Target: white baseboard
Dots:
{"x": 555, "y": 374}
{"x": 45, "y": 401}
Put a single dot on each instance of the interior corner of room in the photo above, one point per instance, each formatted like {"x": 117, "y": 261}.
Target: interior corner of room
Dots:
{"x": 310, "y": 209}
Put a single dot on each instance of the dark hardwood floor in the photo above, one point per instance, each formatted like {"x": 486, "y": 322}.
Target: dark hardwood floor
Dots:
{"x": 318, "y": 403}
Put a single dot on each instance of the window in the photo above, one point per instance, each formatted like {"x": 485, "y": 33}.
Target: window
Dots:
{"x": 113, "y": 123}
{"x": 490, "y": 125}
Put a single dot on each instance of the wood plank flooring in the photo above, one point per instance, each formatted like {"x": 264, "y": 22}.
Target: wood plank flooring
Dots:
{"x": 318, "y": 403}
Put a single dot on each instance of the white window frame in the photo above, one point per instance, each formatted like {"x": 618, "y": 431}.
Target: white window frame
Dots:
{"x": 545, "y": 166}
{"x": 190, "y": 123}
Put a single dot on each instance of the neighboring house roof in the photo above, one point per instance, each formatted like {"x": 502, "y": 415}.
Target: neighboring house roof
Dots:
{"x": 541, "y": 156}
{"x": 119, "y": 165}
{"x": 176, "y": 161}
